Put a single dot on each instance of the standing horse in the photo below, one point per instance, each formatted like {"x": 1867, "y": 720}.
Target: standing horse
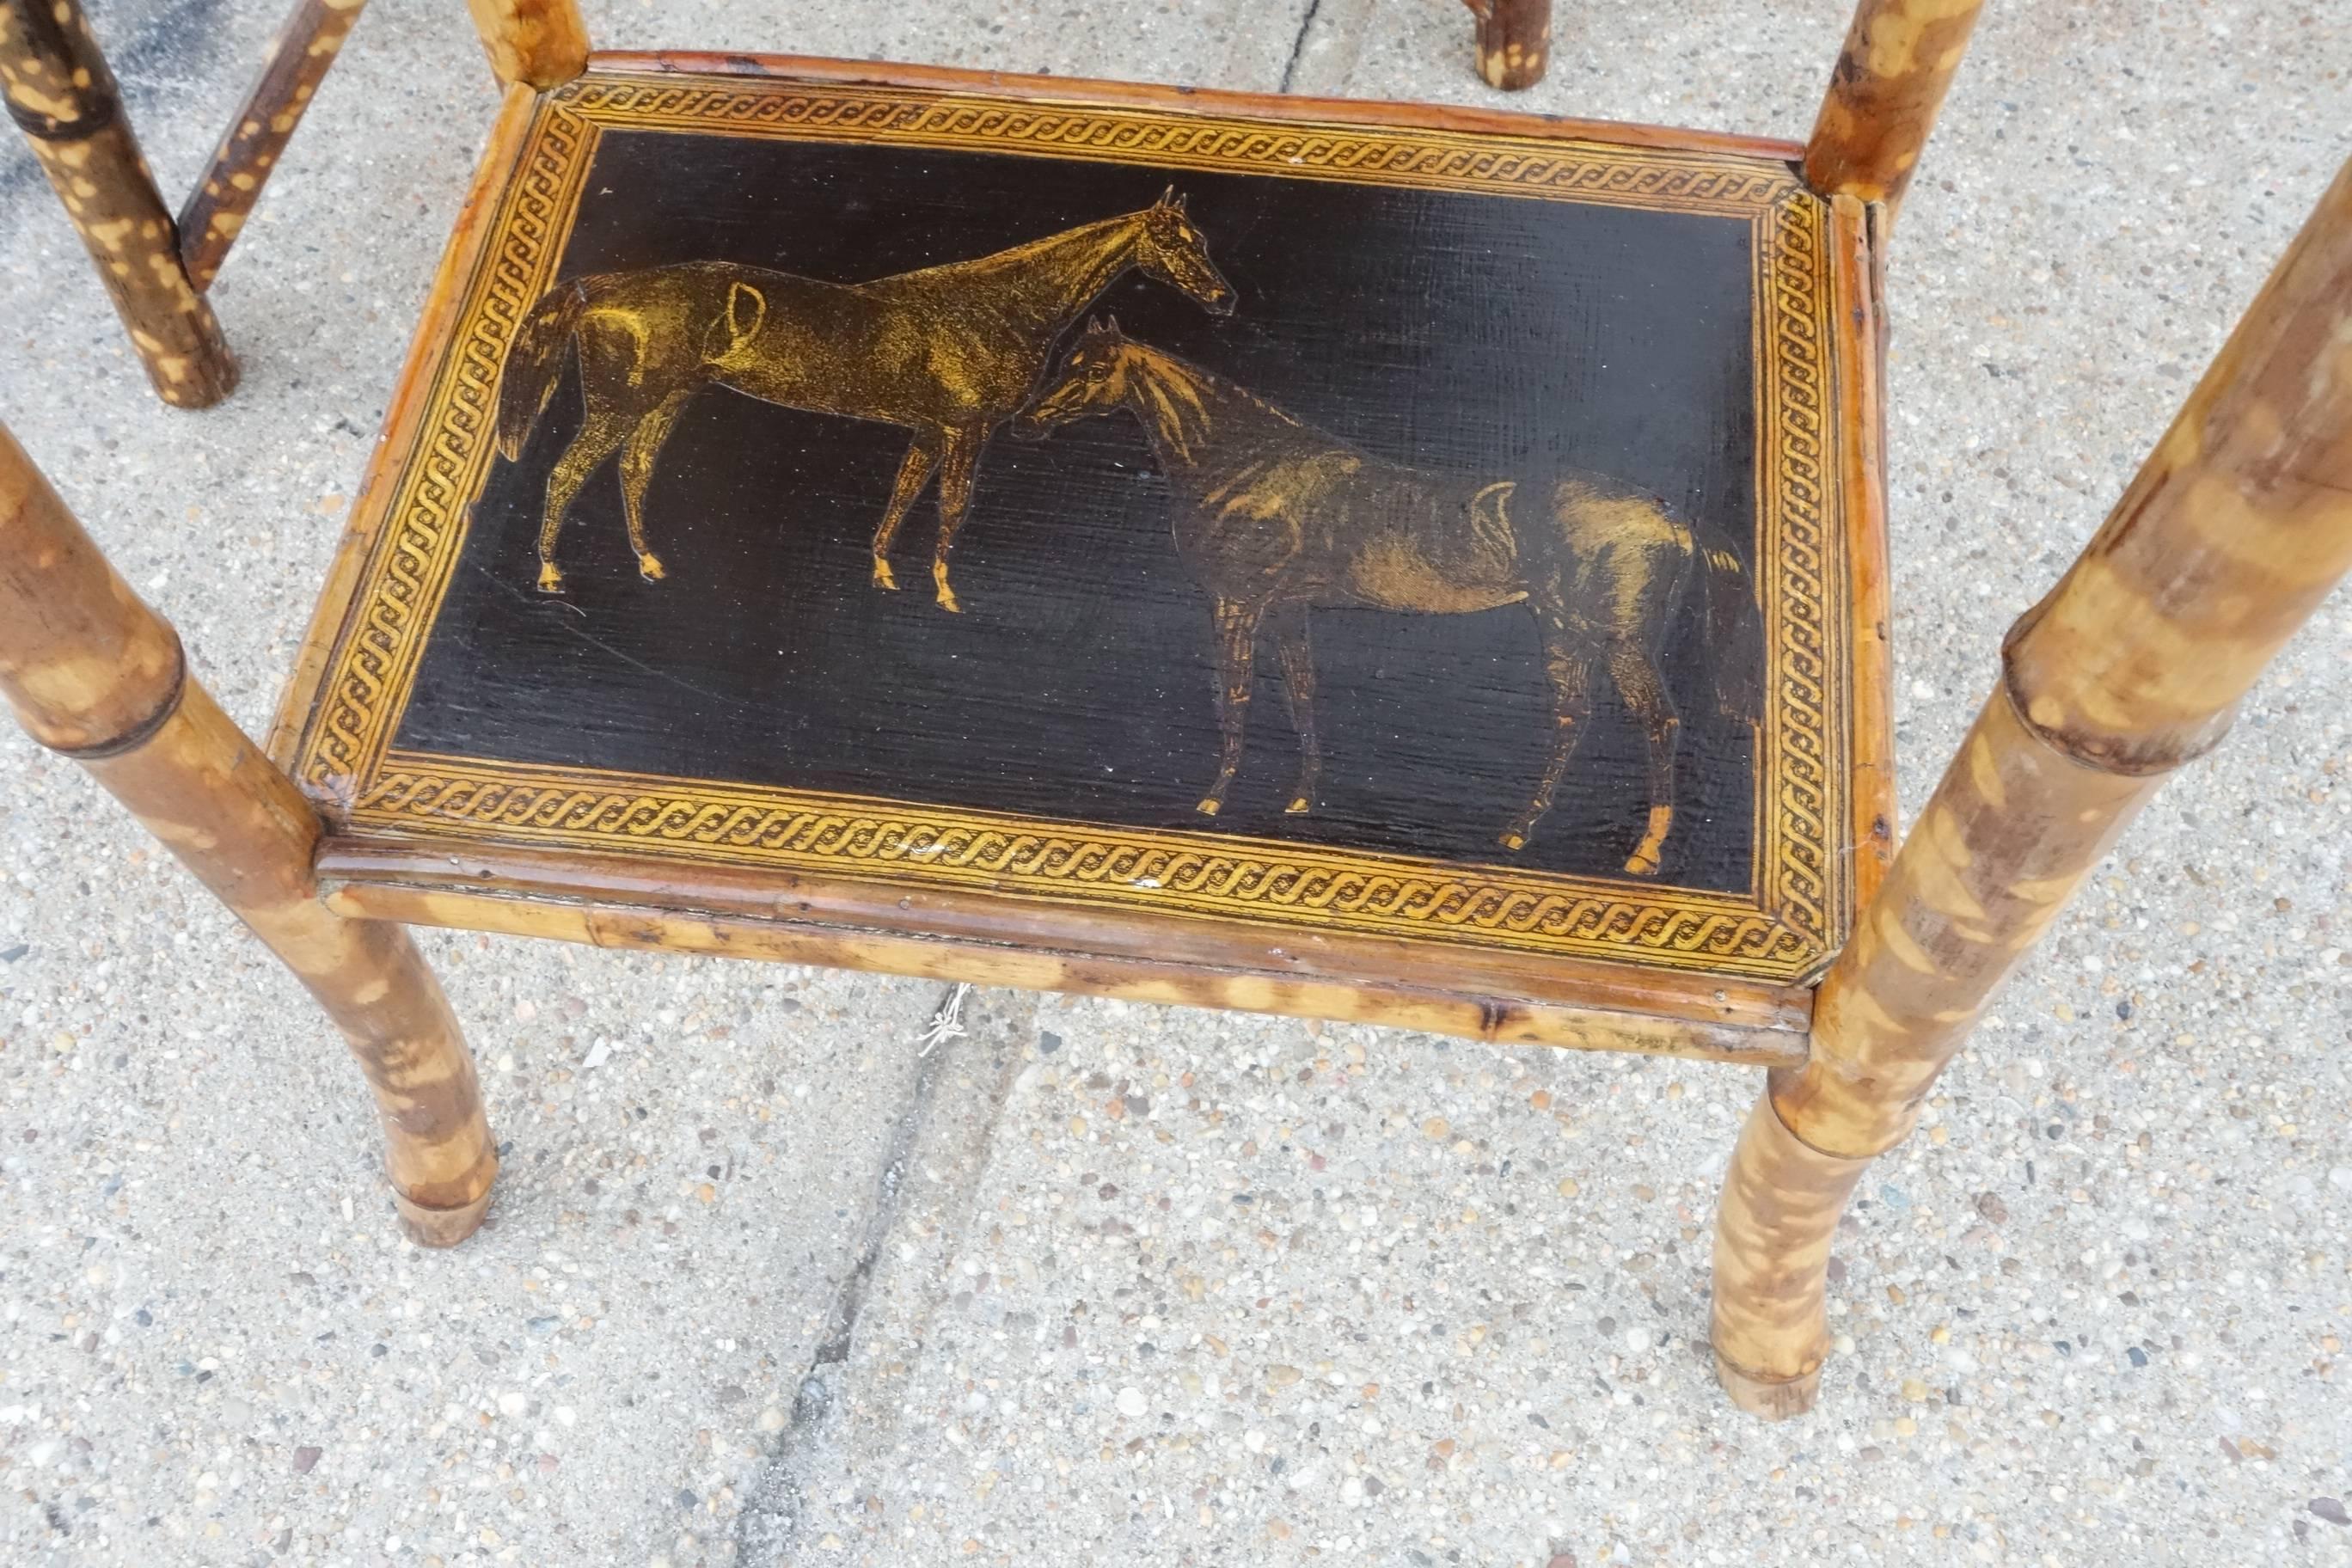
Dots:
{"x": 1274, "y": 517}
{"x": 946, "y": 351}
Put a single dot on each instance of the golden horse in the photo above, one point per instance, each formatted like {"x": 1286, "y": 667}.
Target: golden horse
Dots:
{"x": 946, "y": 351}
{"x": 1274, "y": 517}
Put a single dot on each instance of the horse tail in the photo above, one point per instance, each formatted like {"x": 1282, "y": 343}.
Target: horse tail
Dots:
{"x": 535, "y": 361}
{"x": 1734, "y": 627}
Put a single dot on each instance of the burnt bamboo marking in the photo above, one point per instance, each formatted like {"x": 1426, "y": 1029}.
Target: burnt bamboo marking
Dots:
{"x": 541, "y": 43}
{"x": 215, "y": 211}
{"x": 93, "y": 672}
{"x": 1890, "y": 79}
{"x": 1513, "y": 41}
{"x": 2237, "y": 527}
{"x": 62, "y": 95}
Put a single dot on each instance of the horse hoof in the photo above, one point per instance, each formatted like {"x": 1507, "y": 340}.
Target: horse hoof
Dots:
{"x": 1513, "y": 842}
{"x": 1208, "y": 807}
{"x": 1642, "y": 864}
{"x": 1299, "y": 807}
{"x": 550, "y": 580}
{"x": 649, "y": 567}
{"x": 882, "y": 575}
{"x": 948, "y": 602}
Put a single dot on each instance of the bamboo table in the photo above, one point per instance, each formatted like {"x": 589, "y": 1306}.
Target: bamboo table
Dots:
{"x": 1392, "y": 563}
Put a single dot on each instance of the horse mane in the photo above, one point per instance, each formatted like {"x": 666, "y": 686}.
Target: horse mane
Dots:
{"x": 1175, "y": 400}
{"x": 1023, "y": 254}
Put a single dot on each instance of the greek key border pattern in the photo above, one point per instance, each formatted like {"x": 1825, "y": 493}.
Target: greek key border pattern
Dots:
{"x": 359, "y": 708}
{"x": 1801, "y": 538}
{"x": 1489, "y": 162}
{"x": 1164, "y": 872}
{"x": 345, "y": 762}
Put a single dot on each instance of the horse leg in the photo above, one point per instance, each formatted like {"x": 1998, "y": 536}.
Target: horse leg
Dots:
{"x": 913, "y": 475}
{"x": 958, "y": 468}
{"x": 1297, "y": 651}
{"x": 1236, "y": 625}
{"x": 1637, "y": 678}
{"x": 605, "y": 428}
{"x": 637, "y": 454}
{"x": 1570, "y": 672}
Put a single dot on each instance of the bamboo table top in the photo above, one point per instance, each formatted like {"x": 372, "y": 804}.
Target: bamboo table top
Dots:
{"x": 1474, "y": 446}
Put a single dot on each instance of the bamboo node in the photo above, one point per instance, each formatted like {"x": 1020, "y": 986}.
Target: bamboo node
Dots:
{"x": 2161, "y": 748}
{"x": 145, "y": 730}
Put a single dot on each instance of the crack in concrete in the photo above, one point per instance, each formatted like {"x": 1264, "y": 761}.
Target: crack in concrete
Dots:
{"x": 1298, "y": 44}
{"x": 774, "y": 1507}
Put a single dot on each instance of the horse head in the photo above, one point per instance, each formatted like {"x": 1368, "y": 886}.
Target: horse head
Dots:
{"x": 1169, "y": 247}
{"x": 1093, "y": 380}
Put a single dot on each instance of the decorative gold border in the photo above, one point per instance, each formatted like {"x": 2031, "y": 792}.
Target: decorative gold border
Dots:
{"x": 1487, "y": 163}
{"x": 1800, "y": 909}
{"x": 1141, "y": 868}
{"x": 1804, "y": 740}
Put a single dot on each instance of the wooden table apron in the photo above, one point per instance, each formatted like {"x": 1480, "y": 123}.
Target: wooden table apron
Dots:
{"x": 1814, "y": 555}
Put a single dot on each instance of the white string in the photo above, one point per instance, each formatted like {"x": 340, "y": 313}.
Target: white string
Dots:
{"x": 947, "y": 1023}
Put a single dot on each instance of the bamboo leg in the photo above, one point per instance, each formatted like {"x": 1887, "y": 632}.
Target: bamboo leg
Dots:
{"x": 2235, "y": 529}
{"x": 541, "y": 42}
{"x": 299, "y": 57}
{"x": 64, "y": 99}
{"x": 95, "y": 674}
{"x": 1899, "y": 57}
{"x": 1513, "y": 41}
{"x": 1772, "y": 1232}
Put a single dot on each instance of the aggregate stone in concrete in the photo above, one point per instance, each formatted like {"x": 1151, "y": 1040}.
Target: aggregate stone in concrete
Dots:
{"x": 769, "y": 1282}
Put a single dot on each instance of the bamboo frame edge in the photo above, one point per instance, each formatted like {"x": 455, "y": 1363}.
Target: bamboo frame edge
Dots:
{"x": 1862, "y": 322}
{"x": 723, "y": 891}
{"x": 600, "y": 923}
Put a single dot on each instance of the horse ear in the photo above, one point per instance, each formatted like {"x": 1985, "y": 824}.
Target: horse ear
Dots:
{"x": 1094, "y": 326}
{"x": 1111, "y": 328}
{"x": 1168, "y": 197}
{"x": 1183, "y": 199}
